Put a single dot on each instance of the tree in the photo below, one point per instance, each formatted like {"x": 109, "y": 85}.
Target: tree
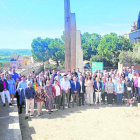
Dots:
{"x": 90, "y": 43}
{"x": 130, "y": 57}
{"x": 138, "y": 22}
{"x": 39, "y": 49}
{"x": 56, "y": 50}
{"x": 111, "y": 45}
{"x": 45, "y": 49}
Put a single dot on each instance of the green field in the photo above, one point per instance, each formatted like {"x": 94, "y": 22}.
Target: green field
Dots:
{"x": 5, "y": 54}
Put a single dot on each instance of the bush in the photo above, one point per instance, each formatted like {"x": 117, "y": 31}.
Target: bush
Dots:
{"x": 50, "y": 66}
{"x": 98, "y": 58}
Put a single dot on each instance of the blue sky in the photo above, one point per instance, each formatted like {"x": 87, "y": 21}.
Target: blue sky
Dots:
{"x": 23, "y": 20}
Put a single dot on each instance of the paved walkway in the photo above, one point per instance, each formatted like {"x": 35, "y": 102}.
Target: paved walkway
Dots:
{"x": 9, "y": 123}
{"x": 84, "y": 123}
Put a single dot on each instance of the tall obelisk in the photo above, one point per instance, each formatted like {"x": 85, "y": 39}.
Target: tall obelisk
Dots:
{"x": 67, "y": 16}
{"x": 73, "y": 41}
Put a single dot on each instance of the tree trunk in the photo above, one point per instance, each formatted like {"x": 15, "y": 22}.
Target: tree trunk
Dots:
{"x": 57, "y": 63}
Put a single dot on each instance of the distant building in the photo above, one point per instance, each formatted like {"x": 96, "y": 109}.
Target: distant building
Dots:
{"x": 17, "y": 61}
{"x": 134, "y": 35}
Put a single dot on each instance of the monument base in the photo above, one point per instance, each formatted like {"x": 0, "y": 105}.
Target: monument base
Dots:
{"x": 138, "y": 104}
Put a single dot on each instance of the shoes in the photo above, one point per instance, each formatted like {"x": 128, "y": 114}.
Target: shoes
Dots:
{"x": 26, "y": 117}
{"x": 49, "y": 112}
{"x": 39, "y": 115}
{"x": 127, "y": 104}
{"x": 131, "y": 105}
{"x": 31, "y": 115}
{"x": 10, "y": 104}
{"x": 4, "y": 105}
{"x": 69, "y": 107}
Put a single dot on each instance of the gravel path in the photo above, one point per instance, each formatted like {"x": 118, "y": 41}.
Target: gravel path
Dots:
{"x": 84, "y": 123}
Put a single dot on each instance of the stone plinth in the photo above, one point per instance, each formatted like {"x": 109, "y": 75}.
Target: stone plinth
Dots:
{"x": 67, "y": 15}
{"x": 120, "y": 68}
{"x": 73, "y": 41}
{"x": 79, "y": 52}
{"x": 138, "y": 105}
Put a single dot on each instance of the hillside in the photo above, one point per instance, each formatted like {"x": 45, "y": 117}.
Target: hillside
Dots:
{"x": 5, "y": 54}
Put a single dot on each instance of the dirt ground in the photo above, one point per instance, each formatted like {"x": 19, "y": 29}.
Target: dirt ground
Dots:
{"x": 83, "y": 123}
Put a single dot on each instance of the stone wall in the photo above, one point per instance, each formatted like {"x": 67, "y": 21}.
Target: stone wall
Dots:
{"x": 135, "y": 36}
{"x": 37, "y": 69}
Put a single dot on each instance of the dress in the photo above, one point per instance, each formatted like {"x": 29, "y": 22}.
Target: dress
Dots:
{"x": 89, "y": 91}
{"x": 39, "y": 97}
{"x": 11, "y": 86}
{"x": 128, "y": 85}
{"x": 49, "y": 101}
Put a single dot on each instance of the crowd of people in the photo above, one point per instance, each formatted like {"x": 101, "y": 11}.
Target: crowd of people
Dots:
{"x": 56, "y": 90}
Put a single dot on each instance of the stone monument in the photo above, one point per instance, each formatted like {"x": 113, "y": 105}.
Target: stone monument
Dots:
{"x": 79, "y": 52}
{"x": 73, "y": 41}
{"x": 73, "y": 50}
{"x": 67, "y": 34}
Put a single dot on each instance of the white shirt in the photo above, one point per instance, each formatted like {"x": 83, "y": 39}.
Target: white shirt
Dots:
{"x": 65, "y": 85}
{"x": 10, "y": 72}
{"x": 81, "y": 87}
{"x": 139, "y": 82}
{"x": 75, "y": 84}
{"x": 107, "y": 79}
{"x": 57, "y": 88}
{"x": 114, "y": 81}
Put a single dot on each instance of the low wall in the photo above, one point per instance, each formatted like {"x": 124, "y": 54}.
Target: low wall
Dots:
{"x": 37, "y": 69}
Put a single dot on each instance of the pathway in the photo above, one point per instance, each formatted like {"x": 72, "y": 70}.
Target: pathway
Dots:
{"x": 84, "y": 123}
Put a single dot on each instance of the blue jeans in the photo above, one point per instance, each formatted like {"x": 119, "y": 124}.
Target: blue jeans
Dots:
{"x": 139, "y": 92}
{"x": 35, "y": 104}
{"x": 119, "y": 98}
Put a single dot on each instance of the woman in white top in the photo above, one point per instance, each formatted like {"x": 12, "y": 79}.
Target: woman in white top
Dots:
{"x": 89, "y": 89}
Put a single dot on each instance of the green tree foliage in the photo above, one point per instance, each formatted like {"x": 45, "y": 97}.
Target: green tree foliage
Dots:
{"x": 138, "y": 22}
{"x": 130, "y": 57}
{"x": 90, "y": 43}
{"x": 110, "y": 47}
{"x": 45, "y": 49}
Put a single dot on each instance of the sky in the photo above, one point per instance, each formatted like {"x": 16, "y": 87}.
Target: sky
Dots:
{"x": 23, "y": 20}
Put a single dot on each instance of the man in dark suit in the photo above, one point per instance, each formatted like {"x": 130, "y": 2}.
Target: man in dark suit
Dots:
{"x": 75, "y": 86}
{"x": 98, "y": 90}
{"x": 82, "y": 90}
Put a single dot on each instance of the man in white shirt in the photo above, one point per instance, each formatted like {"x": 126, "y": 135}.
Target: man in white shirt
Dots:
{"x": 65, "y": 86}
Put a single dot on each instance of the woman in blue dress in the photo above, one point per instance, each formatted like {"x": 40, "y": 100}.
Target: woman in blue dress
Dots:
{"x": 11, "y": 87}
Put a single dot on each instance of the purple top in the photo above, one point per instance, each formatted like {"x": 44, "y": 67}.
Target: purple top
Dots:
{"x": 136, "y": 82}
{"x": 4, "y": 84}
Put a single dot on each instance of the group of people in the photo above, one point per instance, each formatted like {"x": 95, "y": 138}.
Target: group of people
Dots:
{"x": 54, "y": 89}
